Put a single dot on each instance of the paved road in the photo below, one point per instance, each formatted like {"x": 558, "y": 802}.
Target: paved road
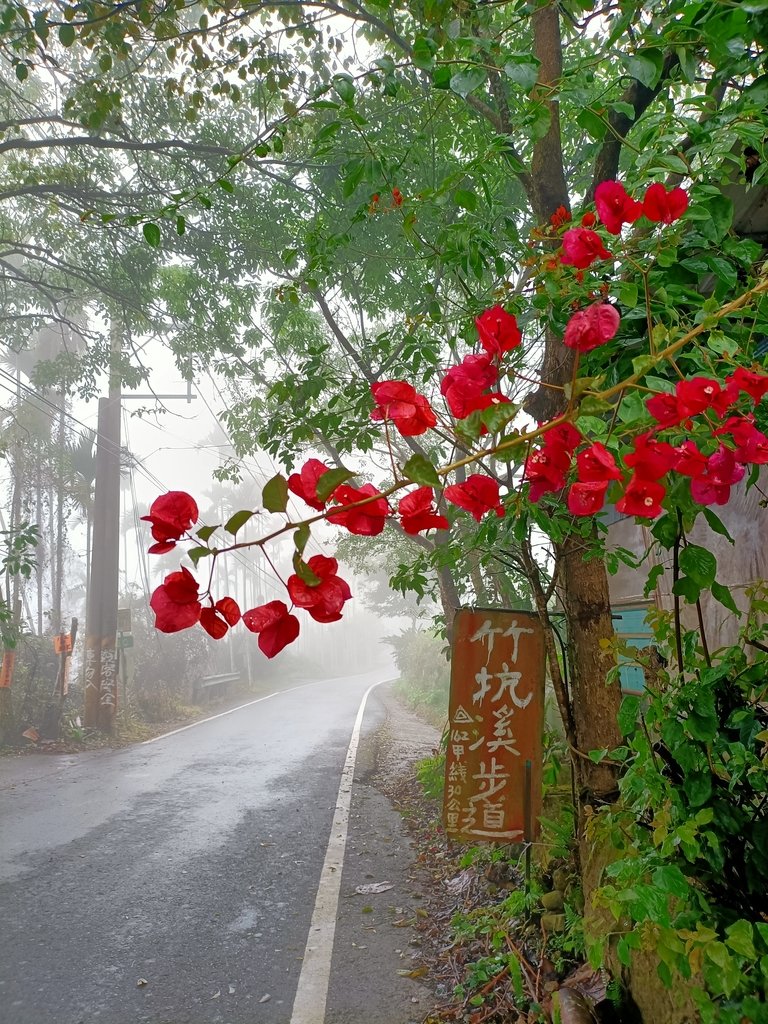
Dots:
{"x": 191, "y": 862}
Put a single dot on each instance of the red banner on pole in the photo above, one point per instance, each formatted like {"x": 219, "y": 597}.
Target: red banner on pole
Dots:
{"x": 496, "y": 716}
{"x": 6, "y": 668}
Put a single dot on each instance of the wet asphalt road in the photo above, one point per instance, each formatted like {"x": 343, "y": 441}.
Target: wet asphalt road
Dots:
{"x": 190, "y": 863}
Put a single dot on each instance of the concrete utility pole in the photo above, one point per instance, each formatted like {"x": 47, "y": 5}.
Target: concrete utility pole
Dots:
{"x": 103, "y": 586}
{"x": 101, "y": 655}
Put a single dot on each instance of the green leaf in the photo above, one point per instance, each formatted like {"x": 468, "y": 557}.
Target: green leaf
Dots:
{"x": 591, "y": 405}
{"x": 671, "y": 879}
{"x": 238, "y": 520}
{"x": 303, "y": 571}
{"x": 181, "y": 225}
{"x": 640, "y": 364}
{"x": 151, "y": 234}
{"x": 740, "y": 938}
{"x": 592, "y": 123}
{"x": 345, "y": 89}
{"x": 301, "y": 537}
{"x": 66, "y": 35}
{"x": 699, "y": 564}
{"x": 329, "y": 481}
{"x": 628, "y": 294}
{"x": 665, "y": 531}
{"x": 719, "y": 219}
{"x": 441, "y": 77}
{"x": 465, "y": 82}
{"x": 628, "y": 712}
{"x": 645, "y": 66}
{"x": 465, "y": 198}
{"x": 420, "y": 470}
{"x": 725, "y": 597}
{"x": 21, "y": 70}
{"x": 274, "y": 496}
{"x": 653, "y": 576}
{"x": 423, "y": 53}
{"x": 688, "y": 64}
{"x": 206, "y": 532}
{"x": 197, "y": 553}
{"x": 698, "y": 788}
{"x": 523, "y": 71}
{"x": 687, "y": 588}
{"x": 225, "y": 184}
{"x": 716, "y": 524}
{"x": 353, "y": 175}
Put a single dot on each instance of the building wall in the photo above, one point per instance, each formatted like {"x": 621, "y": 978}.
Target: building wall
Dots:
{"x": 739, "y": 565}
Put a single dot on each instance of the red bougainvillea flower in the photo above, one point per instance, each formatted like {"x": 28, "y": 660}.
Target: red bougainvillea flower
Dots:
{"x": 664, "y": 409}
{"x": 591, "y": 327}
{"x": 642, "y": 498}
{"x": 217, "y": 619}
{"x": 366, "y": 520}
{"x": 546, "y": 470}
{"x": 304, "y": 483}
{"x": 696, "y": 395}
{"x": 615, "y": 207}
{"x": 564, "y": 437}
{"x": 561, "y": 216}
{"x": 714, "y": 486}
{"x": 478, "y": 494}
{"x": 752, "y": 444}
{"x": 418, "y": 512}
{"x": 399, "y": 401}
{"x": 588, "y": 220}
{"x": 662, "y": 206}
{"x": 581, "y": 247}
{"x": 467, "y": 381}
{"x": 596, "y": 464}
{"x": 587, "y": 497}
{"x": 275, "y": 625}
{"x": 753, "y": 384}
{"x": 689, "y": 461}
{"x": 175, "y": 602}
{"x": 323, "y": 600}
{"x": 498, "y": 331}
{"x": 651, "y": 459}
{"x": 740, "y": 428}
{"x": 171, "y": 515}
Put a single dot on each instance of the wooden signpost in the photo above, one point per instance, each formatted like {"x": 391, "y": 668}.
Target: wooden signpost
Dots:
{"x": 496, "y": 721}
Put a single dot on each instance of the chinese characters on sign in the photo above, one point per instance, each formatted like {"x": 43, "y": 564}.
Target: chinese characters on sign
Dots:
{"x": 496, "y": 718}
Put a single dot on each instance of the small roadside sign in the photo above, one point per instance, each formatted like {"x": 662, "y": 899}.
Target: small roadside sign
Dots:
{"x": 124, "y": 620}
{"x": 126, "y": 640}
{"x": 496, "y": 715}
{"x": 62, "y": 643}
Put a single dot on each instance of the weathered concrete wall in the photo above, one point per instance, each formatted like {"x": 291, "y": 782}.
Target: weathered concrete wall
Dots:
{"x": 740, "y": 565}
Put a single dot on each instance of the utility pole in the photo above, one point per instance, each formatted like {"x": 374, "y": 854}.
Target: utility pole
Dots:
{"x": 101, "y": 655}
{"x": 101, "y": 612}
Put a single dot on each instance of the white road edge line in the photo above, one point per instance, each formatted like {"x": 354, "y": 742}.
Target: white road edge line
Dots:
{"x": 193, "y": 725}
{"x": 312, "y": 992}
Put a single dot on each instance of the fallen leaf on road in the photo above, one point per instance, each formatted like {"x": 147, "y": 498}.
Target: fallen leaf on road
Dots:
{"x": 141, "y": 982}
{"x": 216, "y": 994}
{"x": 417, "y": 972}
{"x": 374, "y": 887}
{"x": 265, "y": 998}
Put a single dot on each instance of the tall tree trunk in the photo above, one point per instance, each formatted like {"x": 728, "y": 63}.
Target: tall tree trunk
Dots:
{"x": 585, "y": 593}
